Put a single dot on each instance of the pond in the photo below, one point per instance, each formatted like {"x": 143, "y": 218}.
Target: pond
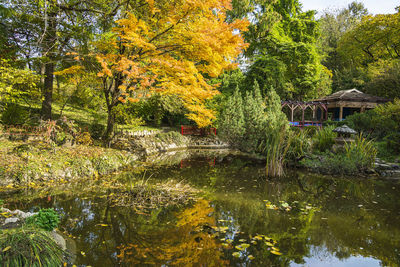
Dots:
{"x": 242, "y": 218}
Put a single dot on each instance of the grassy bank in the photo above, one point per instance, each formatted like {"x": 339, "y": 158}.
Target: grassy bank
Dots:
{"x": 30, "y": 163}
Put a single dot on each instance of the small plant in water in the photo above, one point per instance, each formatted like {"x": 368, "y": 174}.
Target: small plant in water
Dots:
{"x": 46, "y": 219}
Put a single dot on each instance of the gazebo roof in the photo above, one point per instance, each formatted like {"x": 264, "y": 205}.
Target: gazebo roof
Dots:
{"x": 353, "y": 95}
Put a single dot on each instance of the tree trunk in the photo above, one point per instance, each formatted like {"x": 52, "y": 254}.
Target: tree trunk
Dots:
{"x": 49, "y": 51}
{"x": 47, "y": 91}
{"x": 110, "y": 123}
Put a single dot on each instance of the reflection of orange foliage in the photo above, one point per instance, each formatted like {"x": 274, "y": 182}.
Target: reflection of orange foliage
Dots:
{"x": 184, "y": 245}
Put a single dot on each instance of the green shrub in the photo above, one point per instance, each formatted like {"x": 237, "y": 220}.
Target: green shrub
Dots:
{"x": 334, "y": 124}
{"x": 356, "y": 158}
{"x": 300, "y": 144}
{"x": 330, "y": 163}
{"x": 381, "y": 123}
{"x": 393, "y": 142}
{"x": 232, "y": 121}
{"x": 84, "y": 139}
{"x": 124, "y": 115}
{"x": 324, "y": 139}
{"x": 363, "y": 122}
{"x": 309, "y": 131}
{"x": 103, "y": 165}
{"x": 14, "y": 114}
{"x": 46, "y": 219}
{"x": 96, "y": 130}
{"x": 254, "y": 120}
{"x": 29, "y": 246}
{"x": 362, "y": 151}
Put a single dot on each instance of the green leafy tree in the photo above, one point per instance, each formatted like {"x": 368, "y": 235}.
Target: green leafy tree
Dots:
{"x": 333, "y": 25}
{"x": 383, "y": 78}
{"x": 44, "y": 32}
{"x": 285, "y": 53}
{"x": 254, "y": 118}
{"x": 17, "y": 84}
{"x": 376, "y": 37}
{"x": 232, "y": 121}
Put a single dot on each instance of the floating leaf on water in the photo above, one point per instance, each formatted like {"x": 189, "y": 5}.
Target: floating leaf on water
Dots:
{"x": 83, "y": 253}
{"x": 269, "y": 244}
{"x": 254, "y": 242}
{"x": 225, "y": 245}
{"x": 102, "y": 224}
{"x": 258, "y": 237}
{"x": 251, "y": 257}
{"x": 239, "y": 247}
{"x": 276, "y": 249}
{"x": 276, "y": 252}
{"x": 242, "y": 240}
{"x": 229, "y": 241}
{"x": 236, "y": 254}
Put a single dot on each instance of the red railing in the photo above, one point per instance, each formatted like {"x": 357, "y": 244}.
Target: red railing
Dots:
{"x": 193, "y": 130}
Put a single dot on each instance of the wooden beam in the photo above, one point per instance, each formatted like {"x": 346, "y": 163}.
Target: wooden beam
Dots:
{"x": 341, "y": 113}
{"x": 292, "y": 115}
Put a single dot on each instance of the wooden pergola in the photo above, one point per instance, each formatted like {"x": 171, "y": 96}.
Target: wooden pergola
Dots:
{"x": 315, "y": 106}
{"x": 347, "y": 102}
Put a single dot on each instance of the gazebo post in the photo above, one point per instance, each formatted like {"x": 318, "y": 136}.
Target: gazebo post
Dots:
{"x": 302, "y": 116}
{"x": 292, "y": 111}
{"x": 326, "y": 113}
{"x": 340, "y": 113}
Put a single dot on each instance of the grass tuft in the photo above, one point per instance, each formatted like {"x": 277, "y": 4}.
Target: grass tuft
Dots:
{"x": 28, "y": 246}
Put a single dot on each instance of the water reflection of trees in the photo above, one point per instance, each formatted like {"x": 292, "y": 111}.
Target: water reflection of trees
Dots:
{"x": 338, "y": 226}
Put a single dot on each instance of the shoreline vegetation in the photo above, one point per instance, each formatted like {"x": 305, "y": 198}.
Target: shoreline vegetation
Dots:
{"x": 40, "y": 163}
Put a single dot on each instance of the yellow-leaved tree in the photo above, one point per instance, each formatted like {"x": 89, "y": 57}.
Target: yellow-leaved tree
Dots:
{"x": 170, "y": 47}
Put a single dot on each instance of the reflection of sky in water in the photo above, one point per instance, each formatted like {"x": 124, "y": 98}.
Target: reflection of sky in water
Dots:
{"x": 321, "y": 257}
{"x": 352, "y": 261}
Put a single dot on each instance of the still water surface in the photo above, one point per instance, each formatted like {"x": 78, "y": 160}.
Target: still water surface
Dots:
{"x": 243, "y": 219}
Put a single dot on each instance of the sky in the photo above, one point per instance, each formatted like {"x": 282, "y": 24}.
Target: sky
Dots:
{"x": 373, "y": 6}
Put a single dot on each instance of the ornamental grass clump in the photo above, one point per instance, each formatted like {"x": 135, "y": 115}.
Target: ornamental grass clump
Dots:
{"x": 29, "y": 246}
{"x": 362, "y": 151}
{"x": 324, "y": 139}
{"x": 277, "y": 141}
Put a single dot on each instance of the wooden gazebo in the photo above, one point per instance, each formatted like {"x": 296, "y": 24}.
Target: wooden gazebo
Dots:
{"x": 319, "y": 109}
{"x": 346, "y": 102}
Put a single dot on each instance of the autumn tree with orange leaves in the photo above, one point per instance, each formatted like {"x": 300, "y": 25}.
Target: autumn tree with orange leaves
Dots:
{"x": 170, "y": 47}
